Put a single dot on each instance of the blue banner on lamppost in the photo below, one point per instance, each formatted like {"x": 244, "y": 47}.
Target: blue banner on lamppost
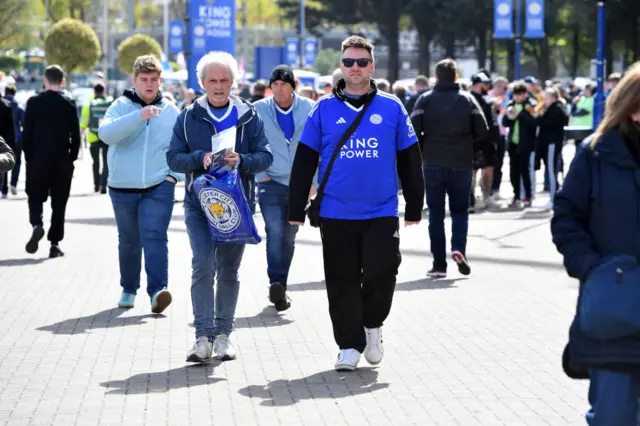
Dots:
{"x": 292, "y": 51}
{"x": 213, "y": 27}
{"x": 310, "y": 52}
{"x": 502, "y": 19}
{"x": 534, "y": 19}
{"x": 176, "y": 34}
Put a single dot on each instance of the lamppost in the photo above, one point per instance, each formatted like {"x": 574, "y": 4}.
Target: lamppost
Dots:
{"x": 301, "y": 35}
{"x": 599, "y": 101}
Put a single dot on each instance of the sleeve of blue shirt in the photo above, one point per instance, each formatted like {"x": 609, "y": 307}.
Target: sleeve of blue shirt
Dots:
{"x": 312, "y": 132}
{"x": 405, "y": 134}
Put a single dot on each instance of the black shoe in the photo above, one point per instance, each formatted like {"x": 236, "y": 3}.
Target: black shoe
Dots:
{"x": 103, "y": 190}
{"x": 461, "y": 261}
{"x": 278, "y": 296}
{"x": 54, "y": 252}
{"x": 436, "y": 273}
{"x": 96, "y": 189}
{"x": 36, "y": 236}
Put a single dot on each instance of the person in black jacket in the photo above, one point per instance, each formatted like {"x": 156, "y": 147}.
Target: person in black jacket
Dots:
{"x": 7, "y": 159}
{"x": 448, "y": 123}
{"x": 421, "y": 85}
{"x": 486, "y": 151}
{"x": 51, "y": 142}
{"x": 551, "y": 137}
{"x": 7, "y": 129}
{"x": 522, "y": 140}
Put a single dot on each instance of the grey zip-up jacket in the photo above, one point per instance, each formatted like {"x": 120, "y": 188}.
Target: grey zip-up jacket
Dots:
{"x": 283, "y": 151}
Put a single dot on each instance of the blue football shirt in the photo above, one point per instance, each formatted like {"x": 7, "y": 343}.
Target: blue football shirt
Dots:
{"x": 285, "y": 121}
{"x": 363, "y": 183}
{"x": 223, "y": 118}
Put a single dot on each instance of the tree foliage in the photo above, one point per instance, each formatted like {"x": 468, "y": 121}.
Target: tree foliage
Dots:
{"x": 73, "y": 45}
{"x": 134, "y": 46}
{"x": 327, "y": 60}
{"x": 60, "y": 9}
{"x": 12, "y": 15}
{"x": 10, "y": 62}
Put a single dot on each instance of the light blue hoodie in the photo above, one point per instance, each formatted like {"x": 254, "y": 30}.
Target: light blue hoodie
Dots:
{"x": 283, "y": 152}
{"x": 137, "y": 148}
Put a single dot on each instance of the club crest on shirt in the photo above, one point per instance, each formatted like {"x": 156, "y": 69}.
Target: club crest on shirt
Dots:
{"x": 375, "y": 118}
{"x": 412, "y": 131}
{"x": 221, "y": 210}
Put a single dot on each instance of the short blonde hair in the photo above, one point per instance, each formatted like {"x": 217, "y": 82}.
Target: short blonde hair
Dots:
{"x": 147, "y": 64}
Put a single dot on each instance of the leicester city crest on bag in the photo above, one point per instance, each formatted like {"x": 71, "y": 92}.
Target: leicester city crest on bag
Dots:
{"x": 224, "y": 204}
{"x": 221, "y": 210}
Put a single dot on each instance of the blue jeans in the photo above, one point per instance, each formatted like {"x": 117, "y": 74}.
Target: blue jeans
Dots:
{"x": 281, "y": 236}
{"x": 614, "y": 397}
{"x": 142, "y": 220}
{"x": 210, "y": 260}
{"x": 440, "y": 182}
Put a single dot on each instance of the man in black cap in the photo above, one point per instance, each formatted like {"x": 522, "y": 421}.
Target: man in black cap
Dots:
{"x": 485, "y": 150}
{"x": 284, "y": 116}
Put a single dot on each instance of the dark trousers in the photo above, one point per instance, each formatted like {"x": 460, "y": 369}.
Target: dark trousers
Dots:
{"x": 497, "y": 171}
{"x": 42, "y": 181}
{"x": 15, "y": 172}
{"x": 456, "y": 183}
{"x": 361, "y": 260}
{"x": 99, "y": 179}
{"x": 520, "y": 165}
{"x": 281, "y": 235}
{"x": 551, "y": 159}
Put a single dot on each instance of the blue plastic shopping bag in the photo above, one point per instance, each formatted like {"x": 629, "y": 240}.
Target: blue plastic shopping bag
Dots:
{"x": 222, "y": 199}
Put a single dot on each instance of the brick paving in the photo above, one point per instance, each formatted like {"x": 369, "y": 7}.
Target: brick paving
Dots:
{"x": 478, "y": 351}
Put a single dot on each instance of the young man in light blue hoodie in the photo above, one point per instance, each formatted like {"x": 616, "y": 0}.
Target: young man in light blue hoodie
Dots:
{"x": 284, "y": 116}
{"x": 138, "y": 128}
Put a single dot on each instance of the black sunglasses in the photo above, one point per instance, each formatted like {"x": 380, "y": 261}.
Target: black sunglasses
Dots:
{"x": 362, "y": 62}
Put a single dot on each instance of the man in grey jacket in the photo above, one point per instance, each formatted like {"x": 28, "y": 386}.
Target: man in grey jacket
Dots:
{"x": 284, "y": 116}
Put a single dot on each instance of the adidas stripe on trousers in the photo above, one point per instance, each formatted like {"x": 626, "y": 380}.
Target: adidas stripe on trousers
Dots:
{"x": 361, "y": 260}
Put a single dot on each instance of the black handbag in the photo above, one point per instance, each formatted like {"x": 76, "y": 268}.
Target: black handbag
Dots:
{"x": 313, "y": 209}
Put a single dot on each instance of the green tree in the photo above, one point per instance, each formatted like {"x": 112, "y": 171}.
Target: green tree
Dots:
{"x": 134, "y": 46}
{"x": 10, "y": 62}
{"x": 60, "y": 9}
{"x": 327, "y": 60}
{"x": 13, "y": 21}
{"x": 73, "y": 45}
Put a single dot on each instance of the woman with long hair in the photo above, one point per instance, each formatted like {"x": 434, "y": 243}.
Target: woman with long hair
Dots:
{"x": 597, "y": 222}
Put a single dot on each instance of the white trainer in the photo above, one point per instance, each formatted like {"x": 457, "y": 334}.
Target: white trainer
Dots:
{"x": 347, "y": 360}
{"x": 201, "y": 350}
{"x": 223, "y": 348}
{"x": 374, "y": 351}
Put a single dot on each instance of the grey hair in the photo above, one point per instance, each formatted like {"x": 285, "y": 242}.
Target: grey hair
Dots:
{"x": 219, "y": 58}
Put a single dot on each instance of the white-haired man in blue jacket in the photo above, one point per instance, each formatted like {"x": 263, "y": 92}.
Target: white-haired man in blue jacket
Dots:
{"x": 138, "y": 127}
{"x": 191, "y": 153}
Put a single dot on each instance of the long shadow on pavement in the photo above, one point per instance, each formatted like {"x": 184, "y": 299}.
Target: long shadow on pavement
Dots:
{"x": 269, "y": 317}
{"x": 23, "y": 262}
{"x": 421, "y": 284}
{"x": 327, "y": 384}
{"x": 184, "y": 377}
{"x": 106, "y": 319}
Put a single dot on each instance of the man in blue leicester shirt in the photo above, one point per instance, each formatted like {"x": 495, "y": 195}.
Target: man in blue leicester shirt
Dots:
{"x": 284, "y": 115}
{"x": 191, "y": 153}
{"x": 359, "y": 211}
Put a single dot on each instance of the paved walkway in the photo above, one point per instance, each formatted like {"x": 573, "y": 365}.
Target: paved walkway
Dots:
{"x": 478, "y": 351}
